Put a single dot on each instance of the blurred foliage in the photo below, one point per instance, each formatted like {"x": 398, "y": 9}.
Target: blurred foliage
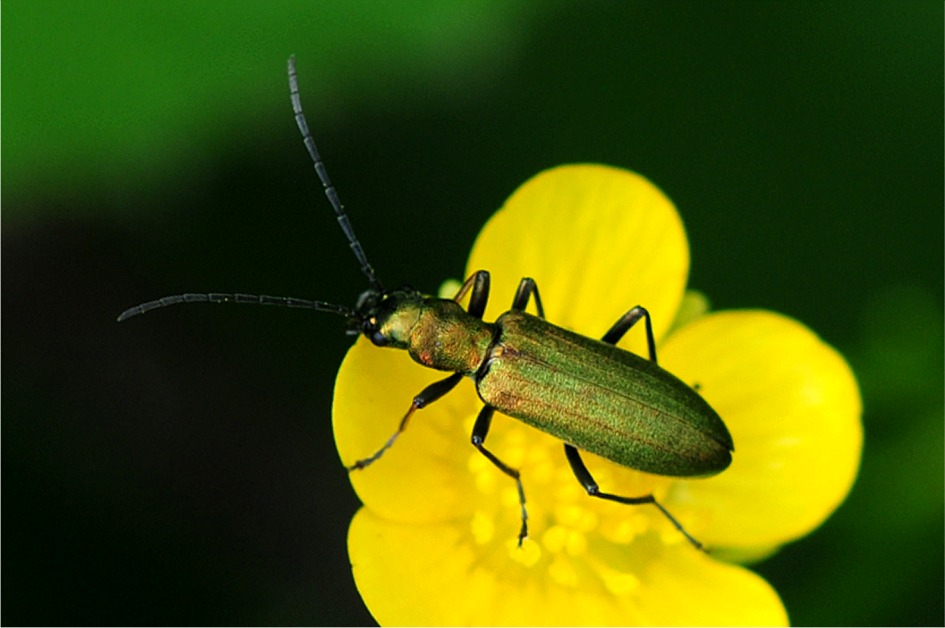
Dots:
{"x": 181, "y": 469}
{"x": 111, "y": 90}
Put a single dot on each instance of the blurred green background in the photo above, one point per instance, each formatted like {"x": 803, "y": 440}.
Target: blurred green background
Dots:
{"x": 180, "y": 468}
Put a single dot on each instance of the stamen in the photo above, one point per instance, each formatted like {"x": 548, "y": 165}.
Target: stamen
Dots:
{"x": 562, "y": 572}
{"x": 482, "y": 527}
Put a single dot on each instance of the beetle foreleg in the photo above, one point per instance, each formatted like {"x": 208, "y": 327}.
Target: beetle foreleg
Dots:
{"x": 627, "y": 321}
{"x": 527, "y": 288}
{"x": 479, "y": 282}
{"x": 480, "y": 429}
{"x": 590, "y": 485}
{"x": 427, "y": 396}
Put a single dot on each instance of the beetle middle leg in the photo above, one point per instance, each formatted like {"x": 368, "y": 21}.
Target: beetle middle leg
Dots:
{"x": 526, "y": 290}
{"x": 480, "y": 429}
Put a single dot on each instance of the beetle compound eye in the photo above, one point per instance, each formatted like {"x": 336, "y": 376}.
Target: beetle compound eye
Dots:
{"x": 369, "y": 329}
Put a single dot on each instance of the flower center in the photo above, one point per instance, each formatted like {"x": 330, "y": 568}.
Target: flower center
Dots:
{"x": 572, "y": 536}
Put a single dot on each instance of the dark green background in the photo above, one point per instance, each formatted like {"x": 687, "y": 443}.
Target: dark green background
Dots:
{"x": 180, "y": 468}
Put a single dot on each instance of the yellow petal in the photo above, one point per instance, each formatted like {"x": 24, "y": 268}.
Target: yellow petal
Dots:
{"x": 437, "y": 575}
{"x": 421, "y": 478}
{"x": 793, "y": 408}
{"x": 597, "y": 240}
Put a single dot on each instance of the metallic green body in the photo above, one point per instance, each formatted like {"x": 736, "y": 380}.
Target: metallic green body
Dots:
{"x": 602, "y": 399}
{"x": 585, "y": 392}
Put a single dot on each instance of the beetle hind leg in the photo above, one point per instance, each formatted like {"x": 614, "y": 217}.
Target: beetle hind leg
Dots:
{"x": 480, "y": 429}
{"x": 590, "y": 485}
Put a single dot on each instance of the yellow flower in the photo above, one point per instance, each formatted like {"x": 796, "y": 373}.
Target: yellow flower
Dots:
{"x": 435, "y": 542}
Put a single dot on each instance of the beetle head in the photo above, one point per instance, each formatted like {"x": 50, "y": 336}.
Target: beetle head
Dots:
{"x": 386, "y": 318}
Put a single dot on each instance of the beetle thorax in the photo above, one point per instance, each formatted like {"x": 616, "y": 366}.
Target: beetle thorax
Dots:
{"x": 447, "y": 338}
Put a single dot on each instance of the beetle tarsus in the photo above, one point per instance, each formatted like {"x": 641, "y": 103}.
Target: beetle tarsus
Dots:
{"x": 364, "y": 462}
{"x": 480, "y": 429}
{"x": 699, "y": 546}
{"x": 590, "y": 485}
{"x": 427, "y": 396}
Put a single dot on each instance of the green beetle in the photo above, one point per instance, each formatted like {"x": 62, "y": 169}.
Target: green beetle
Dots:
{"x": 588, "y": 393}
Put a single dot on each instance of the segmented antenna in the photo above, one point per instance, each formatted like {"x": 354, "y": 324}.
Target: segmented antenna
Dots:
{"x": 326, "y": 182}
{"x": 264, "y": 299}
{"x": 224, "y": 297}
